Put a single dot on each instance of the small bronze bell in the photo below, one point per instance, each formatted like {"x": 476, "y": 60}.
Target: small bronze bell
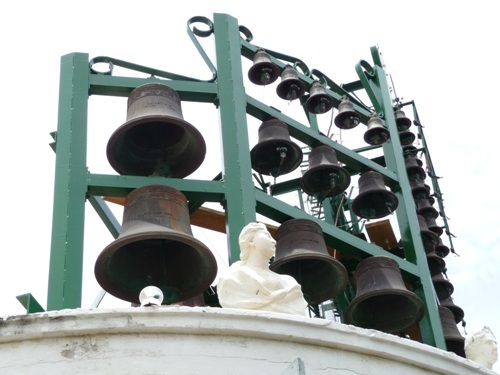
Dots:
{"x": 347, "y": 118}
{"x": 452, "y": 337}
{"x": 324, "y": 177}
{"x": 443, "y": 287}
{"x": 406, "y": 137}
{"x": 457, "y": 311}
{"x": 290, "y": 87}
{"x": 319, "y": 101}
{"x": 301, "y": 253}
{"x": 403, "y": 123}
{"x": 429, "y": 238}
{"x": 275, "y": 154}
{"x": 155, "y": 139}
{"x": 156, "y": 247}
{"x": 414, "y": 169}
{"x": 425, "y": 208}
{"x": 263, "y": 71}
{"x": 376, "y": 133}
{"x": 374, "y": 200}
{"x": 435, "y": 263}
{"x": 433, "y": 226}
{"x": 382, "y": 301}
{"x": 441, "y": 249}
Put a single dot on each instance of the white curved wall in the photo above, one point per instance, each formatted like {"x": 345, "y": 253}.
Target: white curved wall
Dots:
{"x": 201, "y": 340}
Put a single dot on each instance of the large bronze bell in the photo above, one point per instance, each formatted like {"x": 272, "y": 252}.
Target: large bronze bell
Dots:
{"x": 382, "y": 301}
{"x": 376, "y": 133}
{"x": 290, "y": 87}
{"x": 263, "y": 71}
{"x": 442, "y": 286}
{"x": 301, "y": 253}
{"x": 374, "y": 200}
{"x": 155, "y": 139}
{"x": 347, "y": 118}
{"x": 156, "y": 247}
{"x": 319, "y": 101}
{"x": 275, "y": 154}
{"x": 324, "y": 177}
{"x": 452, "y": 337}
{"x": 402, "y": 122}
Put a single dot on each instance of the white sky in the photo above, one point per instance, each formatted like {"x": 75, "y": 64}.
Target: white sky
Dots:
{"x": 437, "y": 53}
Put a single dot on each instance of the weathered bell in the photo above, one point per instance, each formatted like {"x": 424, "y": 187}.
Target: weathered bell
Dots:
{"x": 402, "y": 122}
{"x": 374, "y": 200}
{"x": 156, "y": 247}
{"x": 155, "y": 139}
{"x": 376, "y": 133}
{"x": 382, "y": 301}
{"x": 406, "y": 137}
{"x": 319, "y": 101}
{"x": 324, "y": 177}
{"x": 452, "y": 337}
{"x": 425, "y": 208}
{"x": 441, "y": 249}
{"x": 290, "y": 87}
{"x": 301, "y": 253}
{"x": 347, "y": 118}
{"x": 458, "y": 312}
{"x": 435, "y": 263}
{"x": 419, "y": 189}
{"x": 429, "y": 238}
{"x": 442, "y": 286}
{"x": 414, "y": 169}
{"x": 433, "y": 226}
{"x": 275, "y": 154}
{"x": 263, "y": 71}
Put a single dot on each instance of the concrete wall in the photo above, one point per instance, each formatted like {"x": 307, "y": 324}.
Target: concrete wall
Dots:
{"x": 197, "y": 340}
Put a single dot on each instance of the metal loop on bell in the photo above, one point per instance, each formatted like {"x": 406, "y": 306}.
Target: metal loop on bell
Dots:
{"x": 376, "y": 133}
{"x": 263, "y": 71}
{"x": 155, "y": 139}
{"x": 319, "y": 101}
{"x": 347, "y": 118}
{"x": 156, "y": 247}
{"x": 374, "y": 200}
{"x": 301, "y": 253}
{"x": 382, "y": 301}
{"x": 275, "y": 154}
{"x": 402, "y": 122}
{"x": 290, "y": 87}
{"x": 324, "y": 176}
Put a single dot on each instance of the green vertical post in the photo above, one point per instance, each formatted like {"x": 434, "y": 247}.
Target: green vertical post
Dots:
{"x": 237, "y": 169}
{"x": 430, "y": 325}
{"x": 66, "y": 255}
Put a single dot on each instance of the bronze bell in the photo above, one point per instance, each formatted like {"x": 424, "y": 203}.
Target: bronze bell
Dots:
{"x": 419, "y": 189}
{"x": 156, "y": 247}
{"x": 155, "y": 139}
{"x": 290, "y": 87}
{"x": 406, "y": 137}
{"x": 382, "y": 301}
{"x": 402, "y": 122}
{"x": 324, "y": 177}
{"x": 263, "y": 71}
{"x": 441, "y": 249}
{"x": 347, "y": 118}
{"x": 301, "y": 253}
{"x": 374, "y": 200}
{"x": 443, "y": 287}
{"x": 409, "y": 151}
{"x": 435, "y": 263}
{"x": 425, "y": 208}
{"x": 376, "y": 133}
{"x": 275, "y": 154}
{"x": 429, "y": 238}
{"x": 414, "y": 169}
{"x": 319, "y": 101}
{"x": 457, "y": 311}
{"x": 452, "y": 337}
{"x": 433, "y": 226}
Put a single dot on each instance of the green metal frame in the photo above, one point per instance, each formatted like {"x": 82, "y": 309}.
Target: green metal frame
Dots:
{"x": 234, "y": 188}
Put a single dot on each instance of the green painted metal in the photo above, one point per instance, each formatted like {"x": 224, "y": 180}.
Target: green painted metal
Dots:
{"x": 234, "y": 187}
{"x": 30, "y": 303}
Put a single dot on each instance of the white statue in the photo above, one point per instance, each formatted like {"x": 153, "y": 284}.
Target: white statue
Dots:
{"x": 481, "y": 347}
{"x": 250, "y": 284}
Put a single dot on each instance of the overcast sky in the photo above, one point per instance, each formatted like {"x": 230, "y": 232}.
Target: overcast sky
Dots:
{"x": 442, "y": 55}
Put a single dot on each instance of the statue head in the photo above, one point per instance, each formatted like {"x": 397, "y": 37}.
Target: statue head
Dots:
{"x": 481, "y": 347}
{"x": 247, "y": 236}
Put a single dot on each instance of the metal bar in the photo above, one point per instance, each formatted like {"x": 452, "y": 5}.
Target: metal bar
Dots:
{"x": 66, "y": 256}
{"x": 106, "y": 215}
{"x": 237, "y": 168}
{"x": 30, "y": 303}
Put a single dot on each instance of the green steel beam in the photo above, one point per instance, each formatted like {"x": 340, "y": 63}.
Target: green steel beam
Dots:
{"x": 430, "y": 325}
{"x": 66, "y": 256}
{"x": 30, "y": 303}
{"x": 237, "y": 169}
